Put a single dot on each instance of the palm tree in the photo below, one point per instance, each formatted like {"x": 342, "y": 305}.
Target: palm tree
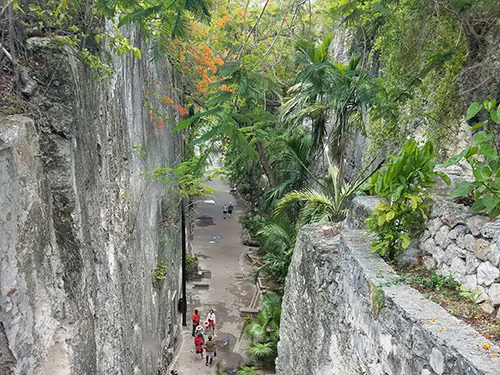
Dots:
{"x": 324, "y": 86}
{"x": 325, "y": 204}
{"x": 292, "y": 161}
{"x": 264, "y": 330}
{"x": 277, "y": 239}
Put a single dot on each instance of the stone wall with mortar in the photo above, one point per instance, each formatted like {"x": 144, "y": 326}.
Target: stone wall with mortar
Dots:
{"x": 344, "y": 313}
{"x": 81, "y": 225}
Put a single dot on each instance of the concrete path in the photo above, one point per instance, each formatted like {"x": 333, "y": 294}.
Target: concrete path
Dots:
{"x": 230, "y": 285}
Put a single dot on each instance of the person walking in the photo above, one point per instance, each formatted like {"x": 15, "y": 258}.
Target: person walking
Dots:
{"x": 211, "y": 320}
{"x": 230, "y": 208}
{"x": 198, "y": 344}
{"x": 196, "y": 321}
{"x": 224, "y": 210}
{"x": 210, "y": 350}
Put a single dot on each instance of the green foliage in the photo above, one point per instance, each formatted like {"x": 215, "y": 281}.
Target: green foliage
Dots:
{"x": 419, "y": 48}
{"x": 246, "y": 370}
{"x": 484, "y": 160}
{"x": 402, "y": 185}
{"x": 252, "y": 223}
{"x": 324, "y": 86}
{"x": 277, "y": 239}
{"x": 263, "y": 332}
{"x": 159, "y": 274}
{"x": 329, "y": 203}
{"x": 188, "y": 178}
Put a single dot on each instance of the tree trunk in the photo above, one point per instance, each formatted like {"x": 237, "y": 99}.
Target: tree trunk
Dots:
{"x": 266, "y": 166}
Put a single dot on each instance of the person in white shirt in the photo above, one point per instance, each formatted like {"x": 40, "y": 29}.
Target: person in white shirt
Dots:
{"x": 211, "y": 320}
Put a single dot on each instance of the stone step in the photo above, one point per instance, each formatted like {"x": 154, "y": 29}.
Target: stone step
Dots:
{"x": 201, "y": 284}
{"x": 245, "y": 311}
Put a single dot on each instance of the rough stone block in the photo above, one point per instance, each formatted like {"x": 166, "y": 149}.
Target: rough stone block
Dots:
{"x": 470, "y": 282}
{"x": 475, "y": 223}
{"x": 487, "y": 274}
{"x": 428, "y": 246}
{"x": 494, "y": 294}
{"x": 458, "y": 268}
{"x": 481, "y": 249}
{"x": 455, "y": 232}
{"x": 436, "y": 361}
{"x": 494, "y": 254}
{"x": 471, "y": 264}
{"x": 490, "y": 229}
{"x": 442, "y": 239}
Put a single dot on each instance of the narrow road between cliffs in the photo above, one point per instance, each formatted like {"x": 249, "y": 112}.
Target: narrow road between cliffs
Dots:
{"x": 219, "y": 249}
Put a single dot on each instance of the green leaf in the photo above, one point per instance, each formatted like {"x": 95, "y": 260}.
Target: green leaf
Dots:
{"x": 490, "y": 201}
{"x": 481, "y": 137}
{"x": 187, "y": 122}
{"x": 479, "y": 125}
{"x": 406, "y": 241}
{"x": 462, "y": 189}
{"x": 495, "y": 116}
{"x": 443, "y": 176}
{"x": 488, "y": 151}
{"x": 456, "y": 158}
{"x": 473, "y": 110}
{"x": 205, "y": 137}
{"x": 477, "y": 206}
{"x": 390, "y": 215}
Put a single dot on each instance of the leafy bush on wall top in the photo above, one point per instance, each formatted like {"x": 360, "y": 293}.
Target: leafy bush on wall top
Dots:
{"x": 484, "y": 160}
{"x": 402, "y": 184}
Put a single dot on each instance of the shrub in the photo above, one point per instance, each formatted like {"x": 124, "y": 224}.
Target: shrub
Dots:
{"x": 159, "y": 274}
{"x": 402, "y": 184}
{"x": 484, "y": 160}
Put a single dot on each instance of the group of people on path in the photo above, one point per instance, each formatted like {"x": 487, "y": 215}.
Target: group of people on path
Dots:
{"x": 227, "y": 209}
{"x": 200, "y": 344}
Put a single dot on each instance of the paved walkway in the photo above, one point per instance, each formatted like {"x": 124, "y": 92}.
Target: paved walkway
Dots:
{"x": 230, "y": 285}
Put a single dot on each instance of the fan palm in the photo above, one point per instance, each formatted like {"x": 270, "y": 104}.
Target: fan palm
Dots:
{"x": 328, "y": 203}
{"x": 277, "y": 239}
{"x": 264, "y": 330}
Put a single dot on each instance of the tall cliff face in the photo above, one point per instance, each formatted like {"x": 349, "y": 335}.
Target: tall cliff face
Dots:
{"x": 81, "y": 225}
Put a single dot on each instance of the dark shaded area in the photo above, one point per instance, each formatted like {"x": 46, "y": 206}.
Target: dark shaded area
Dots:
{"x": 204, "y": 221}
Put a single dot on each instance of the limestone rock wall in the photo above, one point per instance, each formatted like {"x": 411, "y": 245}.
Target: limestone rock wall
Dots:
{"x": 466, "y": 245}
{"x": 82, "y": 225}
{"x": 343, "y": 313}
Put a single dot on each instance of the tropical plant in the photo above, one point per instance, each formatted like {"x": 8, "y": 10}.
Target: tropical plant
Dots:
{"x": 292, "y": 161}
{"x": 403, "y": 185}
{"x": 484, "y": 160}
{"x": 246, "y": 370}
{"x": 263, "y": 332}
{"x": 277, "y": 239}
{"x": 327, "y": 203}
{"x": 324, "y": 86}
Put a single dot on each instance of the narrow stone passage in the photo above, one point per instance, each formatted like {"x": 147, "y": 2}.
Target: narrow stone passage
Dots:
{"x": 219, "y": 249}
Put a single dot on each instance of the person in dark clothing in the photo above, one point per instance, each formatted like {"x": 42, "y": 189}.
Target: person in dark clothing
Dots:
{"x": 230, "y": 208}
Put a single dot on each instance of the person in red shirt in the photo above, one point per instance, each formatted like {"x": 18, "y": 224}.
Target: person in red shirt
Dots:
{"x": 196, "y": 321}
{"x": 198, "y": 344}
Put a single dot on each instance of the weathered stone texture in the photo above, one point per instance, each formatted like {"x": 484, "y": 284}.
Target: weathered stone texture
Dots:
{"x": 81, "y": 227}
{"x": 344, "y": 313}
